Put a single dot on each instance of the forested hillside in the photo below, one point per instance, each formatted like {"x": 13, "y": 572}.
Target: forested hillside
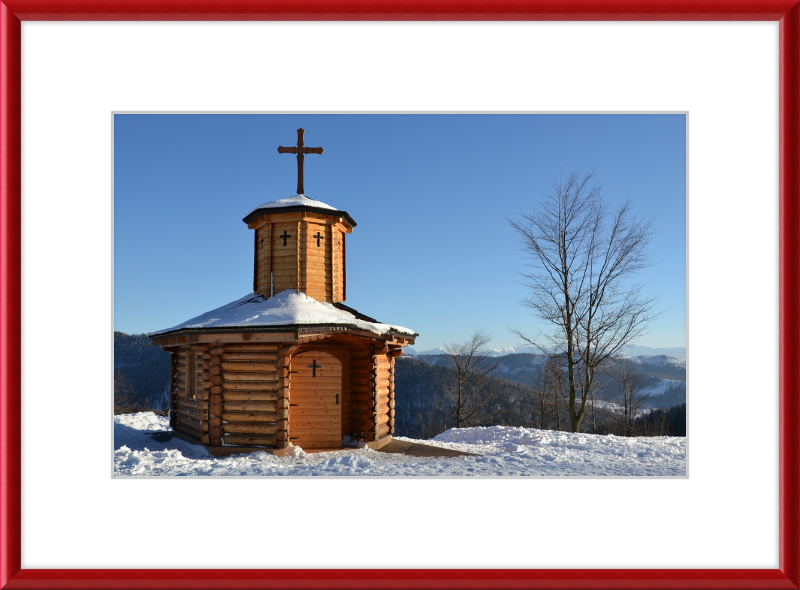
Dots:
{"x": 424, "y": 410}
{"x": 146, "y": 369}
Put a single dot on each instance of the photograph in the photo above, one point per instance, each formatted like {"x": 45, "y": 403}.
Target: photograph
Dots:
{"x": 507, "y": 255}
{"x": 400, "y": 295}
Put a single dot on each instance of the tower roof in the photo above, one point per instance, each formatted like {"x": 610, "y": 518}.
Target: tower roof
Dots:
{"x": 297, "y": 203}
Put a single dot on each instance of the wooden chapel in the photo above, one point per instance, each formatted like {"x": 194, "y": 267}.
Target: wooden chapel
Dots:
{"x": 289, "y": 363}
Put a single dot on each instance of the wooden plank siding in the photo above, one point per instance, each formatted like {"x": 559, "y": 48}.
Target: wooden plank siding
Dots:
{"x": 289, "y": 279}
{"x": 300, "y": 226}
{"x": 316, "y": 262}
{"x": 315, "y": 402}
{"x": 263, "y": 266}
{"x": 319, "y": 270}
{"x": 302, "y": 245}
{"x": 344, "y": 266}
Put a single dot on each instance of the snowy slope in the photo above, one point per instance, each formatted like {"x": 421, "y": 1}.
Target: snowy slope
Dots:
{"x": 662, "y": 387}
{"x": 503, "y": 450}
{"x": 660, "y": 360}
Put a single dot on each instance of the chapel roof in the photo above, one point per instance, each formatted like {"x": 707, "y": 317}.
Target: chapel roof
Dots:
{"x": 297, "y": 203}
{"x": 286, "y": 309}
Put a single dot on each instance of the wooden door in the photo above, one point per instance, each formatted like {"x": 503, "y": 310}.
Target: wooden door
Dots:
{"x": 315, "y": 401}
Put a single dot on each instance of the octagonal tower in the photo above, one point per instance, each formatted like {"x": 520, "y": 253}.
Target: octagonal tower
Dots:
{"x": 300, "y": 244}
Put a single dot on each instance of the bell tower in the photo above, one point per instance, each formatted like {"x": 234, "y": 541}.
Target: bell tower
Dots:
{"x": 300, "y": 243}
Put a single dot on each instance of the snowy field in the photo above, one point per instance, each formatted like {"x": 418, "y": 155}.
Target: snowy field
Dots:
{"x": 503, "y": 450}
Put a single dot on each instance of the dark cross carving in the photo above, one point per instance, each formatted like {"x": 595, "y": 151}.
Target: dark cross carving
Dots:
{"x": 314, "y": 368}
{"x": 319, "y": 237}
{"x": 300, "y": 150}
{"x": 262, "y": 242}
{"x": 284, "y": 236}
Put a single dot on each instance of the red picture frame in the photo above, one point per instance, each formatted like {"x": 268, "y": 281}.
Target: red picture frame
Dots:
{"x": 12, "y": 12}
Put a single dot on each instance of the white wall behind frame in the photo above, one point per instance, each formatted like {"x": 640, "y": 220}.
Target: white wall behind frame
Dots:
{"x": 723, "y": 74}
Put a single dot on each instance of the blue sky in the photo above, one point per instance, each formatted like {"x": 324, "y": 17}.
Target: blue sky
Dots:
{"x": 432, "y": 250}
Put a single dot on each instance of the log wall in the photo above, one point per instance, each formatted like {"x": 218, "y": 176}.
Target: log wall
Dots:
{"x": 360, "y": 392}
{"x": 380, "y": 392}
{"x": 251, "y": 408}
{"x": 370, "y": 381}
{"x": 391, "y": 394}
{"x": 173, "y": 388}
{"x": 189, "y": 411}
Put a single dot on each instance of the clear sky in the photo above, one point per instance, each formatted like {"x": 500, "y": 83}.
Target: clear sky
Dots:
{"x": 432, "y": 250}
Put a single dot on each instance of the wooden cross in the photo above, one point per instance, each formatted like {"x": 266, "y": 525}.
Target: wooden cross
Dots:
{"x": 314, "y": 368}
{"x": 319, "y": 237}
{"x": 300, "y": 150}
{"x": 284, "y": 236}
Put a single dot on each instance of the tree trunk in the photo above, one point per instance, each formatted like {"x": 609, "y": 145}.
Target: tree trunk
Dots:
{"x": 458, "y": 403}
{"x": 558, "y": 410}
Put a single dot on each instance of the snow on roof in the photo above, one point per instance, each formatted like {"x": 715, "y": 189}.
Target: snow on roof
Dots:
{"x": 287, "y": 308}
{"x": 295, "y": 201}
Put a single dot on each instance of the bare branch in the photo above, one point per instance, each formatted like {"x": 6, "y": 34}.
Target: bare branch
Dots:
{"x": 581, "y": 258}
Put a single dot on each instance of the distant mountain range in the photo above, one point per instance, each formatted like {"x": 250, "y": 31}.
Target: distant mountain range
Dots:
{"x": 630, "y": 350}
{"x": 664, "y": 377}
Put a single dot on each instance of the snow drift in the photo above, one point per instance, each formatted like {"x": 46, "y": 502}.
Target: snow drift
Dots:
{"x": 143, "y": 446}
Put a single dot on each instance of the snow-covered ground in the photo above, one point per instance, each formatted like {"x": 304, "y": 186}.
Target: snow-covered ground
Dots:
{"x": 503, "y": 450}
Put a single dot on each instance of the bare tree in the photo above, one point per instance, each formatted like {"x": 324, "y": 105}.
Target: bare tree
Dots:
{"x": 541, "y": 398}
{"x": 583, "y": 254}
{"x": 630, "y": 398}
{"x": 598, "y": 390}
{"x": 473, "y": 389}
{"x": 556, "y": 384}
